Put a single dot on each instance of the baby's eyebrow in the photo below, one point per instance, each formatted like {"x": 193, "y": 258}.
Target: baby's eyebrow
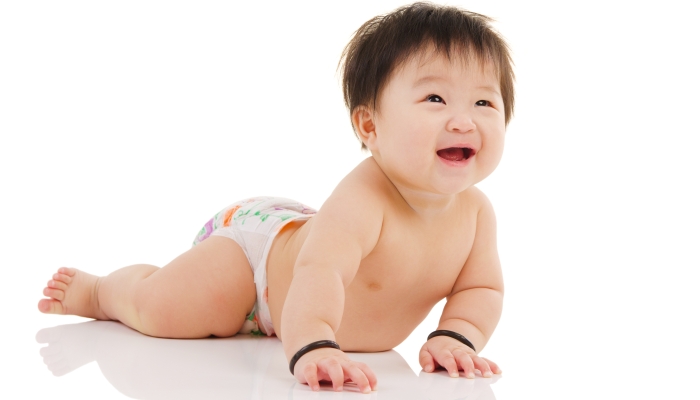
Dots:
{"x": 490, "y": 89}
{"x": 432, "y": 78}
{"x": 427, "y": 79}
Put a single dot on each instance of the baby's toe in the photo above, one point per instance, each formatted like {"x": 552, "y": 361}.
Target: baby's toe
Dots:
{"x": 67, "y": 271}
{"x": 62, "y": 278}
{"x": 48, "y": 306}
{"x": 57, "y": 285}
{"x": 54, "y": 293}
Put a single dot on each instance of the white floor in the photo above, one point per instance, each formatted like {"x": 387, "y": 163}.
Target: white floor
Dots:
{"x": 111, "y": 359}
{"x": 71, "y": 358}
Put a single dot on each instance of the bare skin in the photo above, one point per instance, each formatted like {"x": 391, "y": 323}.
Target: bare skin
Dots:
{"x": 393, "y": 308}
{"x": 376, "y": 298}
{"x": 402, "y": 231}
{"x": 206, "y": 291}
{"x": 409, "y": 222}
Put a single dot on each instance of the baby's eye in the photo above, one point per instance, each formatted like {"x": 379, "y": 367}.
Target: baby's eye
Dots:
{"x": 483, "y": 103}
{"x": 433, "y": 98}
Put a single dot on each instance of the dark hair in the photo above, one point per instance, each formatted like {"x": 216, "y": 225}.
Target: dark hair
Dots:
{"x": 385, "y": 42}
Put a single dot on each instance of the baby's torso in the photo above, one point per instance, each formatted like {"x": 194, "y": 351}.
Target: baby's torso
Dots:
{"x": 413, "y": 266}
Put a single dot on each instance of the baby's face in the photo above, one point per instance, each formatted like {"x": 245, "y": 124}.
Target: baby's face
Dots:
{"x": 440, "y": 125}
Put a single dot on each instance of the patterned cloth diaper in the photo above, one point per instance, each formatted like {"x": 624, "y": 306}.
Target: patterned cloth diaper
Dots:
{"x": 253, "y": 223}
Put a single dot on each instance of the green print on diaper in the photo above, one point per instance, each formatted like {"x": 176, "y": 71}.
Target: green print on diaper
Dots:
{"x": 241, "y": 214}
{"x": 263, "y": 217}
{"x": 254, "y": 332}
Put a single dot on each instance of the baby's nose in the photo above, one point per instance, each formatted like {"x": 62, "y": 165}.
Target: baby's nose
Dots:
{"x": 461, "y": 123}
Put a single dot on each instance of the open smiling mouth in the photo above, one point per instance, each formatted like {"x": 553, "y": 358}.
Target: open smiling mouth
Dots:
{"x": 455, "y": 153}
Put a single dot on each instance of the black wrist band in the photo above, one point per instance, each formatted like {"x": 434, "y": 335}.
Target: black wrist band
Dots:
{"x": 311, "y": 346}
{"x": 453, "y": 335}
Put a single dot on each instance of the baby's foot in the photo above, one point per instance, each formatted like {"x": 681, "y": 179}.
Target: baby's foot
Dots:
{"x": 72, "y": 292}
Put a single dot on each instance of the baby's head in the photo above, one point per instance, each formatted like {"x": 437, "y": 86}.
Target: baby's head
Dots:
{"x": 397, "y": 69}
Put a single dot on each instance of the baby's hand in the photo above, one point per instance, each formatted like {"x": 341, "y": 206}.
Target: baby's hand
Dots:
{"x": 454, "y": 356}
{"x": 333, "y": 365}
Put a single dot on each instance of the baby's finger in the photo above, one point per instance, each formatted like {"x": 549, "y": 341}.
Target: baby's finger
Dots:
{"x": 311, "y": 375}
{"x": 494, "y": 368}
{"x": 447, "y": 360}
{"x": 465, "y": 361}
{"x": 483, "y": 366}
{"x": 426, "y": 361}
{"x": 335, "y": 373}
{"x": 356, "y": 375}
{"x": 371, "y": 377}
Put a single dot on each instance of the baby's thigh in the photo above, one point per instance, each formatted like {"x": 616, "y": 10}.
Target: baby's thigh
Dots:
{"x": 207, "y": 290}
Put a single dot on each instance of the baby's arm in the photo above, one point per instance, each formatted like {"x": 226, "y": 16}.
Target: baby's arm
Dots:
{"x": 344, "y": 231}
{"x": 473, "y": 307}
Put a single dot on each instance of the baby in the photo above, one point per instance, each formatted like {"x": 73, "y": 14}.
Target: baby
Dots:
{"x": 430, "y": 92}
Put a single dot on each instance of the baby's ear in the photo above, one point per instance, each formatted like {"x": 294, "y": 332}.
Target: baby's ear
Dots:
{"x": 363, "y": 121}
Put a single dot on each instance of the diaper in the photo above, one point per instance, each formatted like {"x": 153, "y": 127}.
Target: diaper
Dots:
{"x": 253, "y": 223}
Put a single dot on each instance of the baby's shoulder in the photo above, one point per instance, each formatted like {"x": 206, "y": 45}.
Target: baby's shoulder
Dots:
{"x": 369, "y": 182}
{"x": 479, "y": 210}
{"x": 474, "y": 199}
{"x": 360, "y": 194}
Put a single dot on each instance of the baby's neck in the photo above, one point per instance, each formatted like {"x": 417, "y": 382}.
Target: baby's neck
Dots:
{"x": 427, "y": 205}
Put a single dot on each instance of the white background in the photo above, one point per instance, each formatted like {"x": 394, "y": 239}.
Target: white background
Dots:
{"x": 125, "y": 125}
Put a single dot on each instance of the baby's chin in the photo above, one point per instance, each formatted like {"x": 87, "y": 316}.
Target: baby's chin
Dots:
{"x": 456, "y": 183}
{"x": 452, "y": 190}
{"x": 419, "y": 177}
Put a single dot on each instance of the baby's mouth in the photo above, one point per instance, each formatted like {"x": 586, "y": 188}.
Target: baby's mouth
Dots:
{"x": 455, "y": 153}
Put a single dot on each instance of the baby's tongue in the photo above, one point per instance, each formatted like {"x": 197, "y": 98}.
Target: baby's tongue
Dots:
{"x": 452, "y": 154}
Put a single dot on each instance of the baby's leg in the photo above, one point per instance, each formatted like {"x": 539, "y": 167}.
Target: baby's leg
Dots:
{"x": 207, "y": 290}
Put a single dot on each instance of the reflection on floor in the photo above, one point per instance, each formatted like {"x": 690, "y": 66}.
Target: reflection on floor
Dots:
{"x": 242, "y": 367}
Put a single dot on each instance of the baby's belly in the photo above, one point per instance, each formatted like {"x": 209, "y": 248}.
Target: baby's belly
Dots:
{"x": 378, "y": 321}
{"x": 375, "y": 318}
{"x": 372, "y": 321}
